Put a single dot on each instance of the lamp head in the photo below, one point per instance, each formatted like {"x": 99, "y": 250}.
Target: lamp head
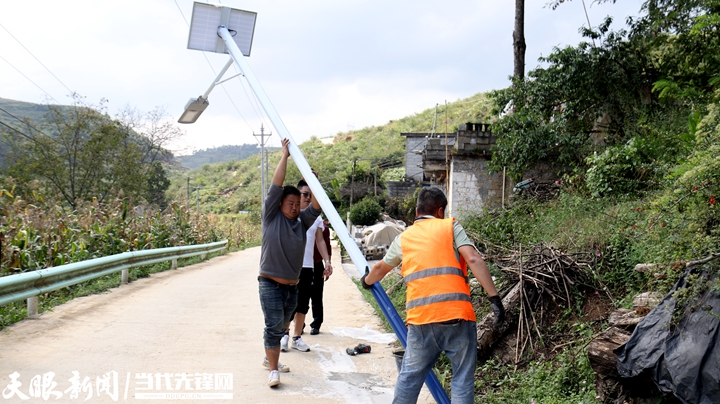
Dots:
{"x": 193, "y": 110}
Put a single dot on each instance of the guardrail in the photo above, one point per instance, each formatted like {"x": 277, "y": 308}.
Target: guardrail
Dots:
{"x": 29, "y": 285}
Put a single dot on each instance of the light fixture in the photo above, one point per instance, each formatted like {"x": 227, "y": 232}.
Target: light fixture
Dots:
{"x": 193, "y": 110}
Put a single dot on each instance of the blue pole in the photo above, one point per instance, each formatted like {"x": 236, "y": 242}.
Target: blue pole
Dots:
{"x": 431, "y": 381}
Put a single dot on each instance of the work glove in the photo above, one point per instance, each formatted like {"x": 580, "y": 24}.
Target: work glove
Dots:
{"x": 498, "y": 310}
{"x": 362, "y": 280}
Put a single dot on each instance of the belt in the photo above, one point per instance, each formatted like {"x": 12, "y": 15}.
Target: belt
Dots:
{"x": 281, "y": 285}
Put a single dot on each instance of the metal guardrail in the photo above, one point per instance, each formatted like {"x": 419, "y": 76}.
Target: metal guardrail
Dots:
{"x": 30, "y": 284}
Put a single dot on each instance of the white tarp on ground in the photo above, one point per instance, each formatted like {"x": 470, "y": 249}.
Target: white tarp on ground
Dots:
{"x": 381, "y": 233}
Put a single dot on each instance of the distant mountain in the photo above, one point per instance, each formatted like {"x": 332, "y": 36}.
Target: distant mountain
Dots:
{"x": 220, "y": 154}
{"x": 21, "y": 109}
{"x": 11, "y": 112}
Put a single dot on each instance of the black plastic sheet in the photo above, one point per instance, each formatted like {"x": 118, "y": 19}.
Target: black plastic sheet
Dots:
{"x": 679, "y": 347}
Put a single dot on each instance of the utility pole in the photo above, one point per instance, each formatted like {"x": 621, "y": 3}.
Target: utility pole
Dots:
{"x": 263, "y": 165}
{"x": 197, "y": 198}
{"x": 375, "y": 181}
{"x": 352, "y": 183}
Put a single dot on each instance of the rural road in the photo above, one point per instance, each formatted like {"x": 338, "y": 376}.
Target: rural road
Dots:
{"x": 193, "y": 335}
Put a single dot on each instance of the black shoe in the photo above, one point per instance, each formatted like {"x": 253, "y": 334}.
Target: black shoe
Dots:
{"x": 314, "y": 331}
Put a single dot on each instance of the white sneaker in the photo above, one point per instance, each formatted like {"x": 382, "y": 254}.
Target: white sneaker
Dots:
{"x": 282, "y": 368}
{"x": 284, "y": 343}
{"x": 300, "y": 345}
{"x": 274, "y": 379}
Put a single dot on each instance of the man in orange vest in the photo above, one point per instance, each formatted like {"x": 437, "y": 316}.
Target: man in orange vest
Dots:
{"x": 435, "y": 253}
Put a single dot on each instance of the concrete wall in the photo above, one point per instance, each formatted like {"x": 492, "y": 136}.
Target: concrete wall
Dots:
{"x": 472, "y": 188}
{"x": 400, "y": 188}
{"x": 413, "y": 161}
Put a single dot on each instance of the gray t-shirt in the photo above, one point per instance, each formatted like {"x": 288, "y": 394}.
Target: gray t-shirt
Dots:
{"x": 283, "y": 240}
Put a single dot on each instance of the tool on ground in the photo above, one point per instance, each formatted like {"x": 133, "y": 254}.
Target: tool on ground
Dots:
{"x": 359, "y": 349}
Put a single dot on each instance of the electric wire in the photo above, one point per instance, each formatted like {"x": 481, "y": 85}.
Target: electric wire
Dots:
{"x": 38, "y": 60}
{"x": 30, "y": 80}
{"x": 23, "y": 121}
{"x": 14, "y": 129}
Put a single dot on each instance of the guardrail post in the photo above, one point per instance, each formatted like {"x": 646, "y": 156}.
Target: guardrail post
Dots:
{"x": 32, "y": 306}
{"x": 125, "y": 275}
{"x": 203, "y": 256}
{"x": 174, "y": 263}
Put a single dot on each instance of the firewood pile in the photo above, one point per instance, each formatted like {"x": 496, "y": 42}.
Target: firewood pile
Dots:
{"x": 540, "y": 191}
{"x": 539, "y": 274}
{"x": 549, "y": 270}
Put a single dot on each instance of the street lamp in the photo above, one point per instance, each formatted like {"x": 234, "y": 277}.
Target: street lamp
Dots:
{"x": 235, "y": 28}
{"x": 206, "y": 19}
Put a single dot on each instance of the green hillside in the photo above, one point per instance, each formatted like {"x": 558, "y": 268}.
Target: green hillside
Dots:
{"x": 218, "y": 155}
{"x": 230, "y": 187}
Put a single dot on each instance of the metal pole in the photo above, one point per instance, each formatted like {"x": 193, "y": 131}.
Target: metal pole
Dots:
{"x": 355, "y": 254}
{"x": 217, "y": 79}
{"x": 262, "y": 161}
{"x": 263, "y": 167}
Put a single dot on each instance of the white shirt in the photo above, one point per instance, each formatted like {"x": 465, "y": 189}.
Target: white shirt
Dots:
{"x": 308, "y": 261}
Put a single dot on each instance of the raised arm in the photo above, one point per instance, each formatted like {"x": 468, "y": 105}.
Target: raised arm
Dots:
{"x": 281, "y": 169}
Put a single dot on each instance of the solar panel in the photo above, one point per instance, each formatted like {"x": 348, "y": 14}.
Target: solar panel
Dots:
{"x": 206, "y": 18}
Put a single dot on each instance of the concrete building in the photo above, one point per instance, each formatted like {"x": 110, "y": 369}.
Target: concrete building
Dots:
{"x": 458, "y": 164}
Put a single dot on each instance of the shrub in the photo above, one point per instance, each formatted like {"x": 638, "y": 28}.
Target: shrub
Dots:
{"x": 365, "y": 212}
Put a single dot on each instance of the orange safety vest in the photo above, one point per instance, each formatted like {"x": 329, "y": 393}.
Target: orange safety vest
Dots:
{"x": 437, "y": 284}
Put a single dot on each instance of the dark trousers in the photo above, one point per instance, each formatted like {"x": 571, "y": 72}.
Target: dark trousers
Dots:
{"x": 316, "y": 294}
{"x": 310, "y": 293}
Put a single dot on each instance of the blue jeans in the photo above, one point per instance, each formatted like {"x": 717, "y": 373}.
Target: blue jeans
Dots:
{"x": 424, "y": 345}
{"x": 278, "y": 304}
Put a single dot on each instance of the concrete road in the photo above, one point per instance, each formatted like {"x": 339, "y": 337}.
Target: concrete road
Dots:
{"x": 192, "y": 334}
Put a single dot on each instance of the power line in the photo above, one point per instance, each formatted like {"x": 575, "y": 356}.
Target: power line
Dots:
{"x": 23, "y": 121}
{"x": 38, "y": 60}
{"x": 10, "y": 127}
{"x": 23, "y": 74}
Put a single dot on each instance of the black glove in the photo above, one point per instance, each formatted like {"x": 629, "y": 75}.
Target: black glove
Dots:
{"x": 498, "y": 310}
{"x": 362, "y": 280}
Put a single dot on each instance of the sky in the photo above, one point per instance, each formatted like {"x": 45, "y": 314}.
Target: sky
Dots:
{"x": 328, "y": 66}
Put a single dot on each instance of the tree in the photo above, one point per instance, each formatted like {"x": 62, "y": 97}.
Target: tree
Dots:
{"x": 81, "y": 153}
{"x": 586, "y": 99}
{"x": 519, "y": 40}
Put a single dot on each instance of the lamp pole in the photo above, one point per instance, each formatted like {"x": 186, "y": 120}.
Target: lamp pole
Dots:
{"x": 356, "y": 255}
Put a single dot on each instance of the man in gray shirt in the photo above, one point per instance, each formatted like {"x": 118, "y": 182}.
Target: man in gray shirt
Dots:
{"x": 284, "y": 228}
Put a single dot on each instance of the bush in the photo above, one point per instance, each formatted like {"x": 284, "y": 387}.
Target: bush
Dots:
{"x": 365, "y": 212}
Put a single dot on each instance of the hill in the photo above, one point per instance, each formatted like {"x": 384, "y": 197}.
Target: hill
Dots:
{"x": 11, "y": 114}
{"x": 230, "y": 187}
{"x": 218, "y": 155}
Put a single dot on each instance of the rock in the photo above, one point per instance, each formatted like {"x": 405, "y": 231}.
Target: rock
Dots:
{"x": 644, "y": 268}
{"x": 645, "y": 302}
{"x": 624, "y": 318}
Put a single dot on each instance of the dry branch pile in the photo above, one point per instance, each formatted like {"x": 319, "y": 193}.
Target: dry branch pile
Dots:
{"x": 540, "y": 191}
{"x": 539, "y": 272}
